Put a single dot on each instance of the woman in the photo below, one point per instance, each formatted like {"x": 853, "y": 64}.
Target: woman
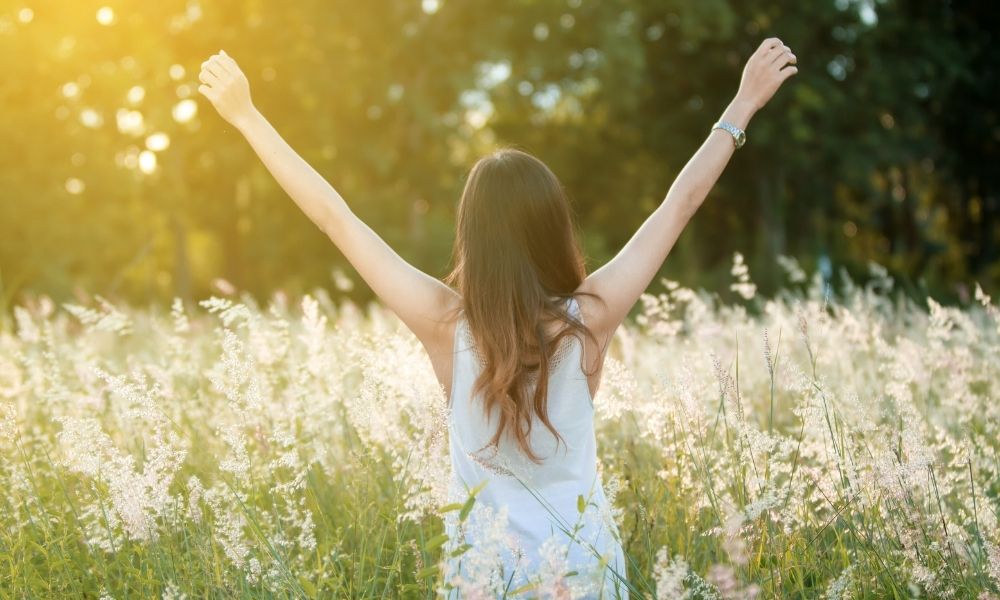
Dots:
{"x": 517, "y": 339}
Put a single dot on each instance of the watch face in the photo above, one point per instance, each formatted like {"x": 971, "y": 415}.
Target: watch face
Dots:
{"x": 741, "y": 138}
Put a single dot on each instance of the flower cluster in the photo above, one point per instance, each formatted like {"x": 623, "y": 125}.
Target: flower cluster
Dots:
{"x": 818, "y": 443}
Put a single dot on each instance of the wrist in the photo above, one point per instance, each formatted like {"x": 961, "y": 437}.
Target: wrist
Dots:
{"x": 739, "y": 112}
{"x": 246, "y": 119}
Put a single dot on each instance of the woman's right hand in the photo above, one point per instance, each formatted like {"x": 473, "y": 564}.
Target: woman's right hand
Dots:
{"x": 768, "y": 67}
{"x": 225, "y": 85}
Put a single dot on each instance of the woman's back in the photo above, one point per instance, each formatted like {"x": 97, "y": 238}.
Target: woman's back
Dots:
{"x": 526, "y": 524}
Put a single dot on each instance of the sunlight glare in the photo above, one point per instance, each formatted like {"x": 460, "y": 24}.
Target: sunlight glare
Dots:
{"x": 158, "y": 142}
{"x": 176, "y": 72}
{"x": 185, "y": 110}
{"x": 130, "y": 121}
{"x": 492, "y": 74}
{"x": 867, "y": 14}
{"x": 193, "y": 11}
{"x": 395, "y": 92}
{"x": 430, "y": 6}
{"x": 25, "y": 15}
{"x": 547, "y": 97}
{"x": 91, "y": 119}
{"x": 135, "y": 94}
{"x": 105, "y": 15}
{"x": 70, "y": 89}
{"x": 75, "y": 186}
{"x": 477, "y": 118}
{"x": 147, "y": 162}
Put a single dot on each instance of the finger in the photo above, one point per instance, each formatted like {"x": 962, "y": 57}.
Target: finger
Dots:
{"x": 207, "y": 76}
{"x": 769, "y": 43}
{"x": 230, "y": 64}
{"x": 784, "y": 58}
{"x": 778, "y": 53}
{"x": 788, "y": 72}
{"x": 776, "y": 50}
{"x": 229, "y": 61}
{"x": 217, "y": 62}
{"x": 211, "y": 68}
{"x": 206, "y": 91}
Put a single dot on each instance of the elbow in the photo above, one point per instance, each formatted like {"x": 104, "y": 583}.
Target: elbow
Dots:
{"x": 687, "y": 203}
{"x": 333, "y": 223}
{"x": 331, "y": 226}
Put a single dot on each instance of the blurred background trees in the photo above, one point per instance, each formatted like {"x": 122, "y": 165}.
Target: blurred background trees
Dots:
{"x": 116, "y": 177}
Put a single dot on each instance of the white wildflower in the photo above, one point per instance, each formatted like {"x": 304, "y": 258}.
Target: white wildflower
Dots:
{"x": 669, "y": 575}
{"x": 195, "y": 492}
{"x": 839, "y": 588}
{"x": 27, "y": 331}
{"x": 743, "y": 286}
{"x": 172, "y": 592}
{"x": 792, "y": 268}
{"x": 108, "y": 318}
{"x": 181, "y": 323}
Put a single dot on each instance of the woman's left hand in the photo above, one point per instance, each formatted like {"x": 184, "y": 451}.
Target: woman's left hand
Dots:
{"x": 770, "y": 65}
{"x": 226, "y": 87}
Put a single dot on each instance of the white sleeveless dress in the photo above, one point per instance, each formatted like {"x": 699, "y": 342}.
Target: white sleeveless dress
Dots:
{"x": 526, "y": 526}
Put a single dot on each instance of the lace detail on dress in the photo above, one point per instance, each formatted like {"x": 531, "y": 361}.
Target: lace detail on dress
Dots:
{"x": 487, "y": 458}
{"x": 505, "y": 461}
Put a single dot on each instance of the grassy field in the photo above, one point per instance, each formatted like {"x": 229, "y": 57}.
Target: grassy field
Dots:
{"x": 810, "y": 445}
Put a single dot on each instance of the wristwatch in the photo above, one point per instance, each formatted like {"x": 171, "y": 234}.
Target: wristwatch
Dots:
{"x": 739, "y": 137}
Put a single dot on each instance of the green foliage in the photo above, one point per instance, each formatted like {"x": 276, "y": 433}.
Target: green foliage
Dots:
{"x": 883, "y": 147}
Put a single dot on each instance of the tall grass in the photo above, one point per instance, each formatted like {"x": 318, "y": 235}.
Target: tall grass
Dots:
{"x": 810, "y": 445}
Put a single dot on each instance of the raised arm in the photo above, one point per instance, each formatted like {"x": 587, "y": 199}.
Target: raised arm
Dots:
{"x": 420, "y": 301}
{"x": 622, "y": 280}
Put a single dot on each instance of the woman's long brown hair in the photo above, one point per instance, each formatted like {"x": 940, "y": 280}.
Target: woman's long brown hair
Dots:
{"x": 516, "y": 261}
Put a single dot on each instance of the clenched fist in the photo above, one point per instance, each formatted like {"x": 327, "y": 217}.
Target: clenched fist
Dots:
{"x": 226, "y": 87}
{"x": 768, "y": 67}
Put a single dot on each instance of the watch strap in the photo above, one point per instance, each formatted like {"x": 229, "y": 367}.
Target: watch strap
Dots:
{"x": 739, "y": 136}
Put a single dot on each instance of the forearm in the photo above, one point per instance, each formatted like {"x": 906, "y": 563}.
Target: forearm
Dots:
{"x": 310, "y": 191}
{"x": 703, "y": 170}
{"x": 624, "y": 278}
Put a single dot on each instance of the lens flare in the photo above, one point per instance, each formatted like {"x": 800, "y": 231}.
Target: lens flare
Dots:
{"x": 75, "y": 186}
{"x": 135, "y": 94}
{"x": 105, "y": 15}
{"x": 147, "y": 162}
{"x": 185, "y": 110}
{"x": 158, "y": 142}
